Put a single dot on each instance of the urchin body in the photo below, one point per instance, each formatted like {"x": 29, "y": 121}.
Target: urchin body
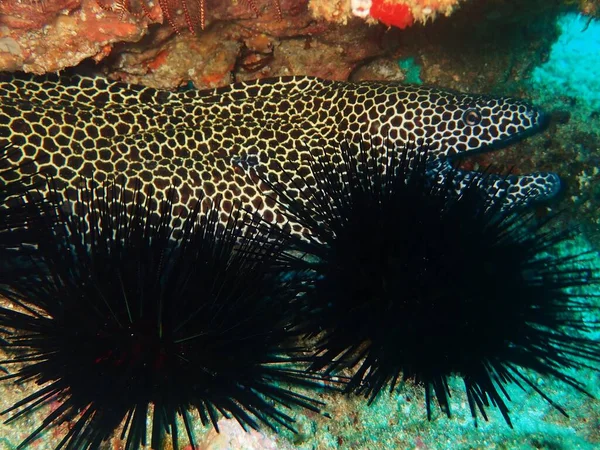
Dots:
{"x": 126, "y": 322}
{"x": 416, "y": 281}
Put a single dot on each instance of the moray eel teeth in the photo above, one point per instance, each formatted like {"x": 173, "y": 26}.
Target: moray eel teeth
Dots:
{"x": 210, "y": 141}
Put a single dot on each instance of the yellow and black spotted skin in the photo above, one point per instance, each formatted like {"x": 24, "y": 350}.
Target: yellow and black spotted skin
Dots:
{"x": 209, "y": 142}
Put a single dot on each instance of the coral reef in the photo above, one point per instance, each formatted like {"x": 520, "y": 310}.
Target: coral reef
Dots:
{"x": 192, "y": 12}
{"x": 332, "y": 10}
{"x": 42, "y": 37}
{"x": 255, "y": 48}
{"x": 426, "y": 10}
{"x": 47, "y": 37}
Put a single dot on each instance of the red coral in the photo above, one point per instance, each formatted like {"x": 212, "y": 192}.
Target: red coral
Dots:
{"x": 397, "y": 15}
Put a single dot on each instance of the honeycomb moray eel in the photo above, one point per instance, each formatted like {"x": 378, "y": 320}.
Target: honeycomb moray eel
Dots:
{"x": 212, "y": 141}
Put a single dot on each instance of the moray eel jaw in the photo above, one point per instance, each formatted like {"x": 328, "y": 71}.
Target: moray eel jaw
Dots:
{"x": 538, "y": 186}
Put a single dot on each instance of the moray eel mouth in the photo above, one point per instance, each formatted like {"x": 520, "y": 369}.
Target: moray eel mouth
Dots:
{"x": 534, "y": 187}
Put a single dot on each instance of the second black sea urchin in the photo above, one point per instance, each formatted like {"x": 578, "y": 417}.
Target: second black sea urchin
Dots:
{"x": 121, "y": 320}
{"x": 421, "y": 279}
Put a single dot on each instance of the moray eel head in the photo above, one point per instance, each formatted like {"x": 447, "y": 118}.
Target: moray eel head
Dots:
{"x": 487, "y": 123}
{"x": 452, "y": 123}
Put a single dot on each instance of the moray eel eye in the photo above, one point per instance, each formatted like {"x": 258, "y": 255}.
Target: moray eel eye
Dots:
{"x": 471, "y": 117}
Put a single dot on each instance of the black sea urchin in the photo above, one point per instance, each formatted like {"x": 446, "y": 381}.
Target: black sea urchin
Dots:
{"x": 120, "y": 315}
{"x": 418, "y": 282}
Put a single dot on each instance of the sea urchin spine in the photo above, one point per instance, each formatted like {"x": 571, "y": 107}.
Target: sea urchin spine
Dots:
{"x": 120, "y": 314}
{"x": 416, "y": 281}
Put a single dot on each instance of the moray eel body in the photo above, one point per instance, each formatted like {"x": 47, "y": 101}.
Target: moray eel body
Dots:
{"x": 210, "y": 141}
